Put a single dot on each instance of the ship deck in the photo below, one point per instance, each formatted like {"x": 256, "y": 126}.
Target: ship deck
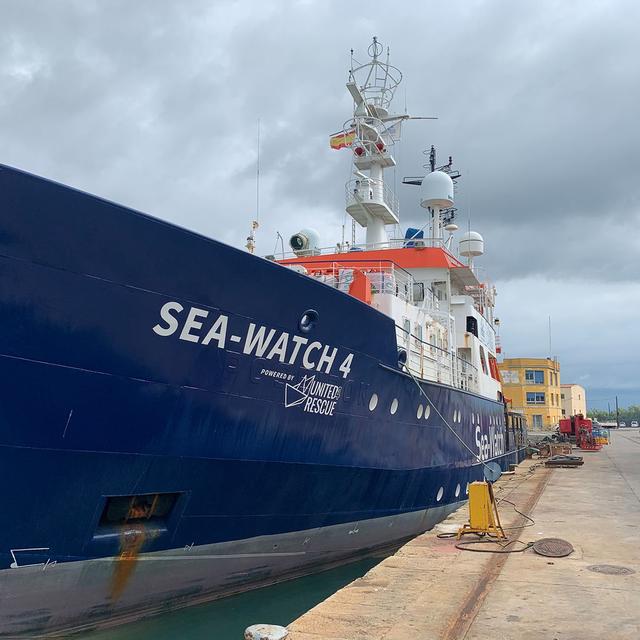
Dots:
{"x": 430, "y": 589}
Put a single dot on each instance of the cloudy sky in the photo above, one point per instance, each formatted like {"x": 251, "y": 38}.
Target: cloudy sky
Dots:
{"x": 155, "y": 104}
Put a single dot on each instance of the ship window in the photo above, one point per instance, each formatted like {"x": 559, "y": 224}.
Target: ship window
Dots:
{"x": 407, "y": 330}
{"x": 472, "y": 325}
{"x": 126, "y": 509}
{"x": 483, "y": 362}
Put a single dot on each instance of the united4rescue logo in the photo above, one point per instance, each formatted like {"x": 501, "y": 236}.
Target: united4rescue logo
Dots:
{"x": 313, "y": 395}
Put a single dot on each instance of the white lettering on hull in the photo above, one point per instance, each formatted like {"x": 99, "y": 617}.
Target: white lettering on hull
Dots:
{"x": 491, "y": 444}
{"x": 259, "y": 341}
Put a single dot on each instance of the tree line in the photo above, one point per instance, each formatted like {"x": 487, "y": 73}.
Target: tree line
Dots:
{"x": 627, "y": 414}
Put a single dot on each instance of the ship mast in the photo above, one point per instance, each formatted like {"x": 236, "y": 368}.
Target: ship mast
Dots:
{"x": 370, "y": 202}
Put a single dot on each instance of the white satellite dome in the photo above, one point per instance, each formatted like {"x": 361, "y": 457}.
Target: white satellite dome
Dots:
{"x": 471, "y": 244}
{"x": 436, "y": 190}
{"x": 451, "y": 227}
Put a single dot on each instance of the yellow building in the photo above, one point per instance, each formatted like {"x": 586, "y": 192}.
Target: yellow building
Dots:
{"x": 533, "y": 387}
{"x": 573, "y": 399}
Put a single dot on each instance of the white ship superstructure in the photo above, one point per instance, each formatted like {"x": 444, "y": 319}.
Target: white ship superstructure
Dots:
{"x": 442, "y": 309}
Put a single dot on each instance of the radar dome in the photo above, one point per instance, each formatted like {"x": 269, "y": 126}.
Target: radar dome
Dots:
{"x": 471, "y": 244}
{"x": 436, "y": 190}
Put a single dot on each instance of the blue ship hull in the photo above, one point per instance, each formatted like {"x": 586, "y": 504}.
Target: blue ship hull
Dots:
{"x": 133, "y": 362}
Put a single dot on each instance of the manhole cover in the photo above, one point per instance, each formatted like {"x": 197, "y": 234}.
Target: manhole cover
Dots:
{"x": 552, "y": 547}
{"x": 611, "y": 569}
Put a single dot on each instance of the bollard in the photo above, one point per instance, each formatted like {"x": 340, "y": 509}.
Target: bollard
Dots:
{"x": 265, "y": 632}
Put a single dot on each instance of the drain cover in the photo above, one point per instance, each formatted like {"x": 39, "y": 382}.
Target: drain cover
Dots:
{"x": 611, "y": 569}
{"x": 552, "y": 547}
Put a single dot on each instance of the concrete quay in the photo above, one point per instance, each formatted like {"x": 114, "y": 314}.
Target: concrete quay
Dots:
{"x": 429, "y": 589}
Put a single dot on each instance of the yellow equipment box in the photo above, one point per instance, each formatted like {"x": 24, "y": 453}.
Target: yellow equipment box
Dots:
{"x": 483, "y": 512}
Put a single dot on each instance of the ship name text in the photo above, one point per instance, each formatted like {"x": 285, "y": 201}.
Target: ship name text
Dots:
{"x": 490, "y": 445}
{"x": 196, "y": 325}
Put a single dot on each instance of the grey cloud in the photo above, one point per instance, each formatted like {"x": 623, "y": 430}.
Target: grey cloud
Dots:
{"x": 155, "y": 103}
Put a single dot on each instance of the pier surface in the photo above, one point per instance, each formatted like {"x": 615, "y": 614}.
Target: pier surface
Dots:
{"x": 430, "y": 589}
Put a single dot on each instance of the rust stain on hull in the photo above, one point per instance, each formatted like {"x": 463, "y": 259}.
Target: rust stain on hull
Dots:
{"x": 131, "y": 543}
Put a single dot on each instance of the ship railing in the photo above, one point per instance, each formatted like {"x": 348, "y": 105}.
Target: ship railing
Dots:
{"x": 348, "y": 248}
{"x": 369, "y": 132}
{"x": 385, "y": 276}
{"x": 363, "y": 190}
{"x": 431, "y": 362}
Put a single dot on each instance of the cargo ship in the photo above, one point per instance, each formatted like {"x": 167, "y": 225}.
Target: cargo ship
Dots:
{"x": 181, "y": 420}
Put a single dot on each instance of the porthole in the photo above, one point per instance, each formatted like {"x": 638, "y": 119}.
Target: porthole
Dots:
{"x": 308, "y": 320}
{"x": 427, "y": 412}
{"x": 455, "y": 416}
{"x": 394, "y": 406}
{"x": 467, "y": 489}
{"x": 373, "y": 402}
{"x": 440, "y": 494}
{"x": 419, "y": 412}
{"x": 457, "y": 490}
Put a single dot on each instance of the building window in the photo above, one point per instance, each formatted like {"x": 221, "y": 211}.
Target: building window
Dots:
{"x": 535, "y": 397}
{"x": 562, "y": 395}
{"x": 563, "y": 413}
{"x": 552, "y": 399}
{"x": 537, "y": 422}
{"x": 532, "y": 376}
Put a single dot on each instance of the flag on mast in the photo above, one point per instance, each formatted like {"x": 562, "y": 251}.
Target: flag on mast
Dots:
{"x": 342, "y": 139}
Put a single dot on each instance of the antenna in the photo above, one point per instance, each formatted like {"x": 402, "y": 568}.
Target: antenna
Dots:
{"x": 251, "y": 238}
{"x": 258, "y": 177}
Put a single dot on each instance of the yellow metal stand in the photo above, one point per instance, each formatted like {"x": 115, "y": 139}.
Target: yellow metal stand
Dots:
{"x": 483, "y": 512}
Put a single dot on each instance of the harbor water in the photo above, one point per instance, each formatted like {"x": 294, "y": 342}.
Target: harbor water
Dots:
{"x": 226, "y": 619}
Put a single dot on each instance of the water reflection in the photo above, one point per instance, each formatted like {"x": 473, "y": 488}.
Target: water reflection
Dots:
{"x": 227, "y": 619}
